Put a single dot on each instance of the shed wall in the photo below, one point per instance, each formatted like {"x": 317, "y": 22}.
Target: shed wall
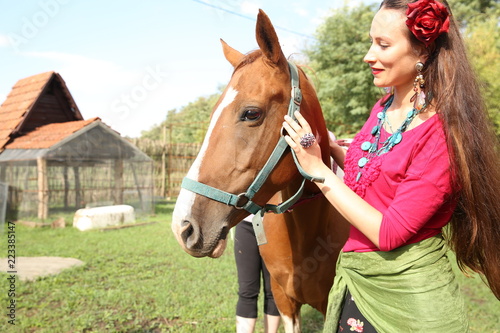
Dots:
{"x": 69, "y": 188}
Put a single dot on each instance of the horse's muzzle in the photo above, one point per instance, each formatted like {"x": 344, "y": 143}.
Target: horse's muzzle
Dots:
{"x": 191, "y": 236}
{"x": 193, "y": 241}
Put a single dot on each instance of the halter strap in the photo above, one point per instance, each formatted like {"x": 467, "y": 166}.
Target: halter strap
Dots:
{"x": 244, "y": 200}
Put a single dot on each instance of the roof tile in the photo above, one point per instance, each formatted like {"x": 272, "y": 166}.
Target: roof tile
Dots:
{"x": 48, "y": 135}
{"x": 21, "y": 99}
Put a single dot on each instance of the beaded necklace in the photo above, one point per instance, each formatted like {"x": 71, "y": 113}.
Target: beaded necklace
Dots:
{"x": 372, "y": 148}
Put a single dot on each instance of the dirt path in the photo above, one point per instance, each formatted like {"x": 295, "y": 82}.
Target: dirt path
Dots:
{"x": 30, "y": 268}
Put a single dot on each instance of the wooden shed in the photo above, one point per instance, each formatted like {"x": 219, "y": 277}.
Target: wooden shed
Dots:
{"x": 53, "y": 160}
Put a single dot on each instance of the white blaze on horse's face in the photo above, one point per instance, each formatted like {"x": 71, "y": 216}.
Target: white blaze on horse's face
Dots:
{"x": 185, "y": 201}
{"x": 228, "y": 99}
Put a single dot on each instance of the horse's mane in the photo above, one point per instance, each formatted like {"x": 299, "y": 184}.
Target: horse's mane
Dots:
{"x": 252, "y": 56}
{"x": 249, "y": 58}
{"x": 301, "y": 68}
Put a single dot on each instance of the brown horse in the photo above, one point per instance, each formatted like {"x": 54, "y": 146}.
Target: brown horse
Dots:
{"x": 303, "y": 243}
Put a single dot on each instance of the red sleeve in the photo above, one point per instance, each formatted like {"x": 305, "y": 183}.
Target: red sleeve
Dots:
{"x": 422, "y": 198}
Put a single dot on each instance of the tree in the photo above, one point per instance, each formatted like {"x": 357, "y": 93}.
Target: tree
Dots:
{"x": 345, "y": 89}
{"x": 465, "y": 10}
{"x": 482, "y": 36}
{"x": 155, "y": 133}
{"x": 187, "y": 125}
{"x": 345, "y": 85}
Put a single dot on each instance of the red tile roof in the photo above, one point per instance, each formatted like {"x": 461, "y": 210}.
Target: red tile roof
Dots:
{"x": 21, "y": 100}
{"x": 48, "y": 135}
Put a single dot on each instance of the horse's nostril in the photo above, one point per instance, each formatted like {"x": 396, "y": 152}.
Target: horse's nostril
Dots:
{"x": 187, "y": 232}
{"x": 224, "y": 232}
{"x": 185, "y": 223}
{"x": 190, "y": 235}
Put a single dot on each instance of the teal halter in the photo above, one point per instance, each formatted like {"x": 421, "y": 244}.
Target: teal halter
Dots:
{"x": 244, "y": 200}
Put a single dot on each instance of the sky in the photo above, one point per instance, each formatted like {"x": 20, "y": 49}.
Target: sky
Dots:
{"x": 129, "y": 62}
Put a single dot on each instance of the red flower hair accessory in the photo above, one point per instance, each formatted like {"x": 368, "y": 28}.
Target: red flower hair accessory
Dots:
{"x": 427, "y": 19}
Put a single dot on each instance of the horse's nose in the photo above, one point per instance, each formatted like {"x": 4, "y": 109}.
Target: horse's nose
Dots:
{"x": 191, "y": 236}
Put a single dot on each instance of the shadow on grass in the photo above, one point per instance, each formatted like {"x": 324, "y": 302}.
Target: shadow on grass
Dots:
{"x": 164, "y": 207}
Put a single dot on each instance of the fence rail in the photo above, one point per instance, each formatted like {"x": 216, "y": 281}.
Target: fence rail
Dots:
{"x": 172, "y": 160}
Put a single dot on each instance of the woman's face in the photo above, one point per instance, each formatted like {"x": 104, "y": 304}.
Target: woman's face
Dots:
{"x": 391, "y": 55}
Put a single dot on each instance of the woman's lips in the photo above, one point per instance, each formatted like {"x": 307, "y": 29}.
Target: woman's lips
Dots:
{"x": 376, "y": 71}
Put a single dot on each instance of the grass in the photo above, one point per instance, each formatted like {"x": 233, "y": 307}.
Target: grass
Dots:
{"x": 139, "y": 280}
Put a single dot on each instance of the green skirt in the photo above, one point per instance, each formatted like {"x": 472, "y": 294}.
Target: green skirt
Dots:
{"x": 409, "y": 289}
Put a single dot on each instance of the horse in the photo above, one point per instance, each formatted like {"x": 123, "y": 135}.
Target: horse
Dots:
{"x": 304, "y": 241}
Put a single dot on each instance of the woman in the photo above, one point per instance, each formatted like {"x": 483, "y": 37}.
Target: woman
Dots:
{"x": 425, "y": 158}
{"x": 251, "y": 270}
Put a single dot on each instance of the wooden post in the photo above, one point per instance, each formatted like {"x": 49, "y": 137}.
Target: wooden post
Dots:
{"x": 78, "y": 194}
{"x": 66, "y": 186}
{"x": 169, "y": 161}
{"x": 137, "y": 185}
{"x": 118, "y": 175}
{"x": 163, "y": 161}
{"x": 43, "y": 188}
{"x": 3, "y": 169}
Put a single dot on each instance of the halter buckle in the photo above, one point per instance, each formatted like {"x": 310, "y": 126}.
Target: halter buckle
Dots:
{"x": 296, "y": 95}
{"x": 241, "y": 197}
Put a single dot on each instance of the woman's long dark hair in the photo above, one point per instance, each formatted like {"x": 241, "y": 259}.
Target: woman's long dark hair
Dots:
{"x": 474, "y": 233}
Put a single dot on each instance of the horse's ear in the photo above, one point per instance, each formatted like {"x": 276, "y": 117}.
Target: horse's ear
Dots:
{"x": 233, "y": 56}
{"x": 268, "y": 39}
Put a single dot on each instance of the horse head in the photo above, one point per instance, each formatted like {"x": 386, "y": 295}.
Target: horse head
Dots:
{"x": 244, "y": 129}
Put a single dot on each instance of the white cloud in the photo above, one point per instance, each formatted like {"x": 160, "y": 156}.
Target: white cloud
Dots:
{"x": 4, "y": 40}
{"x": 320, "y": 15}
{"x": 250, "y": 8}
{"x": 98, "y": 86}
{"x": 355, "y": 3}
{"x": 299, "y": 10}
{"x": 85, "y": 68}
{"x": 132, "y": 100}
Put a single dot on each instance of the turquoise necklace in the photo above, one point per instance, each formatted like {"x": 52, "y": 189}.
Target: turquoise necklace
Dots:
{"x": 372, "y": 148}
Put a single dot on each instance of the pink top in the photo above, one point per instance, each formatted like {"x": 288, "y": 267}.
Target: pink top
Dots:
{"x": 410, "y": 185}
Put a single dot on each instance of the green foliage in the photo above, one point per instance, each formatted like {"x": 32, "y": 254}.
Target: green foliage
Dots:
{"x": 465, "y": 10}
{"x": 156, "y": 131}
{"x": 345, "y": 90}
{"x": 187, "y": 125}
{"x": 482, "y": 37}
{"x": 480, "y": 21}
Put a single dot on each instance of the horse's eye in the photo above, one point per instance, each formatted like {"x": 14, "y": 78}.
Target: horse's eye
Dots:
{"x": 251, "y": 115}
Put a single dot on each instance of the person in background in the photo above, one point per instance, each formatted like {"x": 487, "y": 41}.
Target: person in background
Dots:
{"x": 251, "y": 270}
{"x": 425, "y": 164}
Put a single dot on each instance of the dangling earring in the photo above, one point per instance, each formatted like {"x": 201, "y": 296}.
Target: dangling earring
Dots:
{"x": 418, "y": 98}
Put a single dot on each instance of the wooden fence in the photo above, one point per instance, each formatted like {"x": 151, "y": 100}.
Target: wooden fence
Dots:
{"x": 172, "y": 160}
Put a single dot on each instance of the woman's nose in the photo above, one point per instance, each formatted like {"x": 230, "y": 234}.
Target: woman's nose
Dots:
{"x": 369, "y": 57}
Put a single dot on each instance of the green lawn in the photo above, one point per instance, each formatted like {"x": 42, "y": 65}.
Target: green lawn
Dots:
{"x": 139, "y": 280}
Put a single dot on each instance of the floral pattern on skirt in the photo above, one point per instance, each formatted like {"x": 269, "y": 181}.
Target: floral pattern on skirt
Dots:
{"x": 351, "y": 319}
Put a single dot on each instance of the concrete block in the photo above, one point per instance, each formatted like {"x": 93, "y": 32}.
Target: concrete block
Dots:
{"x": 102, "y": 217}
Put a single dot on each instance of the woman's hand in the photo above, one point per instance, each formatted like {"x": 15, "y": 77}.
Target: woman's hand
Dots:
{"x": 338, "y": 149}
{"x": 309, "y": 158}
{"x": 355, "y": 210}
{"x": 344, "y": 143}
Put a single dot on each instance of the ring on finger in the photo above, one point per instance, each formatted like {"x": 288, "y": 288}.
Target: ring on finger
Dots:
{"x": 307, "y": 140}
